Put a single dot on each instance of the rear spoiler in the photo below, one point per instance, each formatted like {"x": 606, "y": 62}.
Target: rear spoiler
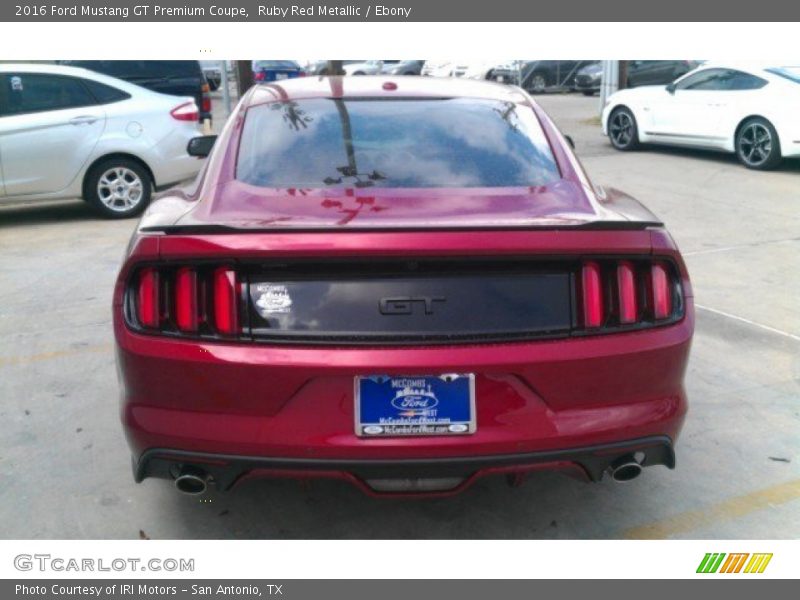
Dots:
{"x": 204, "y": 229}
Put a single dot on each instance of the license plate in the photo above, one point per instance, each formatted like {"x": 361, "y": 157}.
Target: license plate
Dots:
{"x": 281, "y": 76}
{"x": 415, "y": 405}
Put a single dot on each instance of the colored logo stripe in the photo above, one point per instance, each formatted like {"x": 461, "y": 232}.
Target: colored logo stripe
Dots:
{"x": 758, "y": 563}
{"x": 710, "y": 563}
{"x": 733, "y": 564}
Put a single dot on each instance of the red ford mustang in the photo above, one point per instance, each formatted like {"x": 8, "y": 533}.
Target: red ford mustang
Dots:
{"x": 407, "y": 284}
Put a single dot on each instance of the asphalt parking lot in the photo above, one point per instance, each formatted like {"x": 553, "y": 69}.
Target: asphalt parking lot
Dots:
{"x": 66, "y": 467}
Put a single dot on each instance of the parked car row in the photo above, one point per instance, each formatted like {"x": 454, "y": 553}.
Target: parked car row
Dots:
{"x": 639, "y": 73}
{"x": 69, "y": 131}
{"x": 359, "y": 67}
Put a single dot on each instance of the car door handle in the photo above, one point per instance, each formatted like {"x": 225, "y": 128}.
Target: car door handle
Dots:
{"x": 83, "y": 120}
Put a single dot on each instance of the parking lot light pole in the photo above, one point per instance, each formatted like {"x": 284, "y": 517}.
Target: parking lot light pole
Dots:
{"x": 226, "y": 92}
{"x": 609, "y": 82}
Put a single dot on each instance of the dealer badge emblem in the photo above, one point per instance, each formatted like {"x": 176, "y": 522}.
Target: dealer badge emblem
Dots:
{"x": 273, "y": 299}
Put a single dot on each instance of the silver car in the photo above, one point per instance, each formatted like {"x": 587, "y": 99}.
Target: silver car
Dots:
{"x": 67, "y": 132}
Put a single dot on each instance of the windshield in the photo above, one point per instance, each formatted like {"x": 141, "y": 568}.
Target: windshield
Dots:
{"x": 790, "y": 73}
{"x": 405, "y": 143}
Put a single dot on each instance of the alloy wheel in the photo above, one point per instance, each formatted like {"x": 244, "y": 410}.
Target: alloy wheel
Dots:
{"x": 120, "y": 189}
{"x": 621, "y": 129}
{"x": 755, "y": 144}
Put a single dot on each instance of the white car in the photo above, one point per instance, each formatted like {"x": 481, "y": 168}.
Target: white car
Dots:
{"x": 483, "y": 70}
{"x": 747, "y": 109}
{"x": 67, "y": 132}
{"x": 438, "y": 68}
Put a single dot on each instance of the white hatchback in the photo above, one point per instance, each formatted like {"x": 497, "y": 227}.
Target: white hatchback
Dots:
{"x": 67, "y": 132}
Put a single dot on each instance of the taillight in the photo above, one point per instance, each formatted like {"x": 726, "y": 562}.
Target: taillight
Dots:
{"x": 205, "y": 99}
{"x": 592, "y": 295}
{"x": 191, "y": 300}
{"x": 185, "y": 112}
{"x": 631, "y": 293}
{"x": 259, "y": 76}
{"x": 186, "y": 301}
{"x": 662, "y": 291}
{"x": 626, "y": 291}
{"x": 226, "y": 301}
{"x": 147, "y": 297}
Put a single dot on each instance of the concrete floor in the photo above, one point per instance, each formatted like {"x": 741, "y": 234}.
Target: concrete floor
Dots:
{"x": 66, "y": 468}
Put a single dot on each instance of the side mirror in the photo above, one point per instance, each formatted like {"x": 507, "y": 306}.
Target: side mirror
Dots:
{"x": 570, "y": 141}
{"x": 671, "y": 88}
{"x": 201, "y": 146}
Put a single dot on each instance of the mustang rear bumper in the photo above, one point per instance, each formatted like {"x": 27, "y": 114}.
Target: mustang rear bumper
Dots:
{"x": 249, "y": 410}
{"x": 375, "y": 476}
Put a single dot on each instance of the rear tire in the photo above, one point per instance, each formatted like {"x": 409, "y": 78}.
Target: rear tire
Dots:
{"x": 588, "y": 92}
{"x": 757, "y": 145}
{"x": 622, "y": 130}
{"x": 538, "y": 83}
{"x": 118, "y": 188}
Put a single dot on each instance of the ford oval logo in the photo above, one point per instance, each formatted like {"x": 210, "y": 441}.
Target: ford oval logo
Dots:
{"x": 414, "y": 402}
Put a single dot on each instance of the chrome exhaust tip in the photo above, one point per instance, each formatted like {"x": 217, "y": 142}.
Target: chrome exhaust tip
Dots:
{"x": 192, "y": 481}
{"x": 625, "y": 468}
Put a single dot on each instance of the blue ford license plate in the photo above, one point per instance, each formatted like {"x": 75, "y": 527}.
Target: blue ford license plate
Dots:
{"x": 415, "y": 405}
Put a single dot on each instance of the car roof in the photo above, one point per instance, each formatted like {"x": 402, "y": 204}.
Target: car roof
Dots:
{"x": 753, "y": 67}
{"x": 375, "y": 87}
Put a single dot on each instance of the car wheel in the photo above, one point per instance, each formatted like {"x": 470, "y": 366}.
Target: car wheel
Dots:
{"x": 757, "y": 144}
{"x": 538, "y": 83}
{"x": 358, "y": 73}
{"x": 118, "y": 188}
{"x": 588, "y": 92}
{"x": 622, "y": 129}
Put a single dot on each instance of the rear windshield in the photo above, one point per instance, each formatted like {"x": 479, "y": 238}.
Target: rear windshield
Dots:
{"x": 404, "y": 143}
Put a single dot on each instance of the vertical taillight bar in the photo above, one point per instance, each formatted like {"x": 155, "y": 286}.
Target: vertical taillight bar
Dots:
{"x": 149, "y": 312}
{"x": 626, "y": 291}
{"x": 662, "y": 292}
{"x": 592, "y": 288}
{"x": 186, "y": 306}
{"x": 226, "y": 301}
